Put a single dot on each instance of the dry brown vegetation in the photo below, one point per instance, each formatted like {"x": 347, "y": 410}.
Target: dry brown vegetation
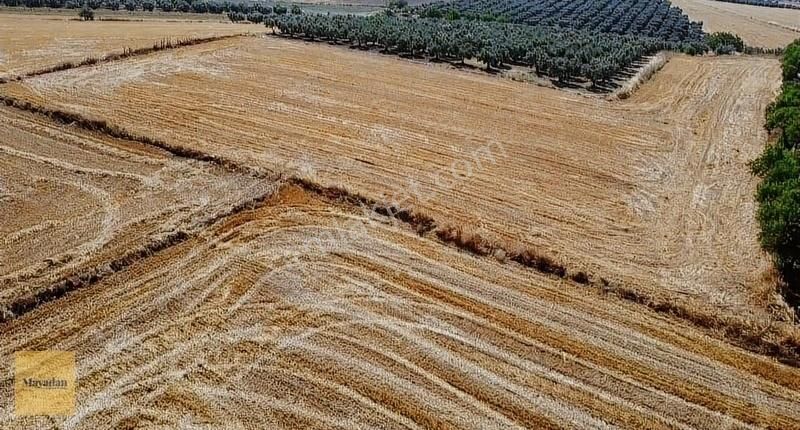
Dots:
{"x": 72, "y": 203}
{"x": 35, "y": 42}
{"x": 260, "y": 233}
{"x": 759, "y": 26}
{"x": 652, "y": 192}
{"x": 263, "y": 321}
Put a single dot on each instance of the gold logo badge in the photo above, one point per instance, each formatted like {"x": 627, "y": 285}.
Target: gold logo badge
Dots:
{"x": 44, "y": 383}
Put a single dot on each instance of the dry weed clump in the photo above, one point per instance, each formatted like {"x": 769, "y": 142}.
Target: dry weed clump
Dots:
{"x": 473, "y": 243}
{"x": 478, "y": 245}
{"x": 643, "y": 75}
{"x": 580, "y": 277}
{"x": 542, "y": 263}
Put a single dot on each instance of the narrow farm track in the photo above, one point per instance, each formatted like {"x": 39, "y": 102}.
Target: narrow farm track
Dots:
{"x": 305, "y": 314}
{"x": 652, "y": 192}
{"x": 766, "y": 27}
{"x": 71, "y": 201}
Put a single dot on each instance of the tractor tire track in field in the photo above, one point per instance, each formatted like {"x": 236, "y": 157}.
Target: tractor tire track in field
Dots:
{"x": 770, "y": 341}
{"x": 310, "y": 305}
{"x": 387, "y": 330}
{"x": 78, "y": 206}
{"x": 606, "y": 186}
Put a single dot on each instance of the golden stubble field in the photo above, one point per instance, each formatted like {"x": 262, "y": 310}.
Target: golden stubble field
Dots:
{"x": 307, "y": 314}
{"x": 304, "y": 311}
{"x": 652, "y": 192}
{"x": 72, "y": 201}
{"x": 34, "y": 42}
{"x": 757, "y": 25}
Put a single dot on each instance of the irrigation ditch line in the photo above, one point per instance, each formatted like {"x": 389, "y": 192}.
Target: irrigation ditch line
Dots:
{"x": 762, "y": 340}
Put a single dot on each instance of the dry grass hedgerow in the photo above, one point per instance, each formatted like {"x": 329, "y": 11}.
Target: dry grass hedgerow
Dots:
{"x": 88, "y": 277}
{"x": 642, "y": 75}
{"x": 781, "y": 342}
{"x": 470, "y": 242}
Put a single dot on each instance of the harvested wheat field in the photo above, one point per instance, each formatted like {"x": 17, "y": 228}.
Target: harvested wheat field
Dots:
{"x": 33, "y": 42}
{"x": 760, "y": 26}
{"x": 307, "y": 314}
{"x": 72, "y": 202}
{"x": 652, "y": 192}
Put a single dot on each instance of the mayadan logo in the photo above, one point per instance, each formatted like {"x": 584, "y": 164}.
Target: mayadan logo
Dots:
{"x": 44, "y": 383}
{"x": 52, "y": 383}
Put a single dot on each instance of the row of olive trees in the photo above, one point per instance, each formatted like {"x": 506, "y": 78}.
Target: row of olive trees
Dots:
{"x": 649, "y": 18}
{"x": 559, "y": 53}
{"x": 257, "y": 17}
{"x": 778, "y": 194}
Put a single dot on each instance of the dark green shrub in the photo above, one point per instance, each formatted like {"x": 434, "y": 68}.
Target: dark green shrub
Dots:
{"x": 280, "y": 9}
{"x": 398, "y": 4}
{"x": 778, "y": 194}
{"x": 86, "y": 14}
{"x": 725, "y": 43}
{"x": 791, "y": 62}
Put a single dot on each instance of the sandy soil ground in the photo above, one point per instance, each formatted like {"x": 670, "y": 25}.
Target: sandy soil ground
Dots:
{"x": 306, "y": 314}
{"x": 71, "y": 200}
{"x": 33, "y": 42}
{"x": 653, "y": 191}
{"x": 759, "y": 26}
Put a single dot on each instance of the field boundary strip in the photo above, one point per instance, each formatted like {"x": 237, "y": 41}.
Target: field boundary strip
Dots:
{"x": 89, "y": 276}
{"x": 766, "y": 340}
{"x": 161, "y": 45}
{"x": 761, "y": 340}
{"x": 102, "y": 126}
